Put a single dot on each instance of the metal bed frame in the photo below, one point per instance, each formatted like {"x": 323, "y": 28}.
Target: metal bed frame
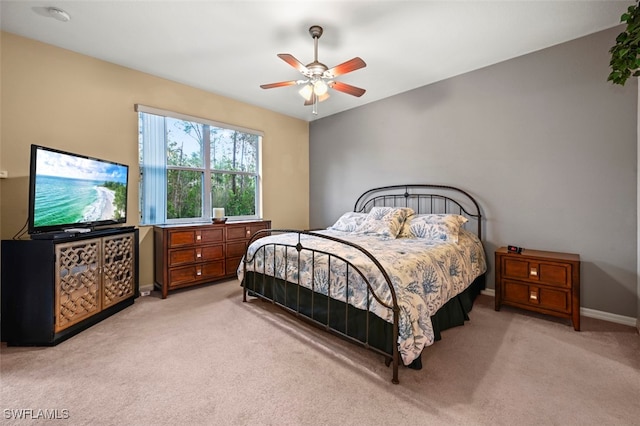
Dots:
{"x": 437, "y": 200}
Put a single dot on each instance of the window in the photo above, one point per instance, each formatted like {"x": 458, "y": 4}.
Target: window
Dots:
{"x": 189, "y": 166}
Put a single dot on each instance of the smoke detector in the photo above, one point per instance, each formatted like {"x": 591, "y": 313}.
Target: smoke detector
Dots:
{"x": 58, "y": 14}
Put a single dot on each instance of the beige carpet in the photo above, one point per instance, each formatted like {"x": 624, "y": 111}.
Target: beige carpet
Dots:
{"x": 202, "y": 357}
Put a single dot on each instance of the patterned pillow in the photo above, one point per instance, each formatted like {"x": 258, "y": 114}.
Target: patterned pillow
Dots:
{"x": 348, "y": 222}
{"x": 438, "y": 227}
{"x": 384, "y": 221}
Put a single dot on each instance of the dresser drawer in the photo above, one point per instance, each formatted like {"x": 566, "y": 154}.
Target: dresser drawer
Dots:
{"x": 186, "y": 237}
{"x": 245, "y": 232}
{"x": 232, "y": 264}
{"x": 195, "y": 273}
{"x": 541, "y": 297}
{"x": 236, "y": 249}
{"x": 238, "y": 232}
{"x": 532, "y": 270}
{"x": 195, "y": 254}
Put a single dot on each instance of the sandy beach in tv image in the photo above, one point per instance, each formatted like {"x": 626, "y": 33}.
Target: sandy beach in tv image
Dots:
{"x": 103, "y": 208}
{"x": 72, "y": 189}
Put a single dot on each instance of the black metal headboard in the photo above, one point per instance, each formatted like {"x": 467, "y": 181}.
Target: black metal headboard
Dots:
{"x": 424, "y": 199}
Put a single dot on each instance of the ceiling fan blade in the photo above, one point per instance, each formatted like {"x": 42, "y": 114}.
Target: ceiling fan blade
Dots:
{"x": 293, "y": 62}
{"x": 280, "y": 84}
{"x": 345, "y": 67}
{"x": 347, "y": 88}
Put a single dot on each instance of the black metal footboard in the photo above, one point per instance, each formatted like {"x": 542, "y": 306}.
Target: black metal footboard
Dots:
{"x": 357, "y": 325}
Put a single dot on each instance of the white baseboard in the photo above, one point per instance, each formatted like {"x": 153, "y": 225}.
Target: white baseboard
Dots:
{"x": 591, "y": 313}
{"x": 606, "y": 316}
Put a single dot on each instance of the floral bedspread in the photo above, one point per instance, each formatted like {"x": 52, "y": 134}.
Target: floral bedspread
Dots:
{"x": 425, "y": 275}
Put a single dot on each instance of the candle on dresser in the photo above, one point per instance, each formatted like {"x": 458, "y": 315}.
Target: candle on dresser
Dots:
{"x": 218, "y": 213}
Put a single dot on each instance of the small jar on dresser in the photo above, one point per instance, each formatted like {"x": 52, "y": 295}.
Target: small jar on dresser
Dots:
{"x": 540, "y": 281}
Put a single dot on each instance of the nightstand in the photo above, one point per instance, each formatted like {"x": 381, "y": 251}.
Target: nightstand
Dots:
{"x": 540, "y": 281}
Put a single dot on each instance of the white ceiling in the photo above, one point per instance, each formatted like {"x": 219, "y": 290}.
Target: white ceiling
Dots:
{"x": 229, "y": 47}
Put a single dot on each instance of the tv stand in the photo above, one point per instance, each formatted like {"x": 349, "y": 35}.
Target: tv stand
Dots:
{"x": 54, "y": 288}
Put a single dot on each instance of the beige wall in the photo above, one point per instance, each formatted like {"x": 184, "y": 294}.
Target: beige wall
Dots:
{"x": 58, "y": 98}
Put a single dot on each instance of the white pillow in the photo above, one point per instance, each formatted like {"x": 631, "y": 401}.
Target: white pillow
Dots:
{"x": 436, "y": 227}
{"x": 384, "y": 221}
{"x": 348, "y": 222}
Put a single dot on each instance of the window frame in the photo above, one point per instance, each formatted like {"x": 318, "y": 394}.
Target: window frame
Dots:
{"x": 206, "y": 169}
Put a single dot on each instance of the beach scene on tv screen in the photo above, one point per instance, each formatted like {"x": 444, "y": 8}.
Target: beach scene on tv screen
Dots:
{"x": 78, "y": 190}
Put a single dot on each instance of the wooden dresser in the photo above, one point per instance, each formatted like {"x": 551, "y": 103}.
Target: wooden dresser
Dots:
{"x": 540, "y": 281}
{"x": 192, "y": 254}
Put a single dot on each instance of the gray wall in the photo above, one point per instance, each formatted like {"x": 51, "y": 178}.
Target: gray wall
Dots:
{"x": 546, "y": 145}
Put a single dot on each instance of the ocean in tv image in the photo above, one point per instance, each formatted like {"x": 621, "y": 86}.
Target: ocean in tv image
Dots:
{"x": 88, "y": 191}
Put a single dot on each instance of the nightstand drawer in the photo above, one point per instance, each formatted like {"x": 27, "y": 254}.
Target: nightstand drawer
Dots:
{"x": 556, "y": 274}
{"x": 538, "y": 296}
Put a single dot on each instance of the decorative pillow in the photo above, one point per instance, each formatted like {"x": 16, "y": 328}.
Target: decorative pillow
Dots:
{"x": 349, "y": 222}
{"x": 439, "y": 227}
{"x": 384, "y": 221}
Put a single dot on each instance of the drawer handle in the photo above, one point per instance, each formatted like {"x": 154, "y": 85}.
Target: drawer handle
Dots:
{"x": 533, "y": 296}
{"x": 248, "y": 232}
{"x": 198, "y": 255}
{"x": 198, "y": 272}
{"x": 198, "y": 237}
{"x": 533, "y": 272}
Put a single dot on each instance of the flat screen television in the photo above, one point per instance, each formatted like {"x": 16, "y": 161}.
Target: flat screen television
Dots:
{"x": 69, "y": 191}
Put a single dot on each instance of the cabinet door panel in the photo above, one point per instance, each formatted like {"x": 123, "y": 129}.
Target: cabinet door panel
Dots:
{"x": 118, "y": 281}
{"x": 78, "y": 282}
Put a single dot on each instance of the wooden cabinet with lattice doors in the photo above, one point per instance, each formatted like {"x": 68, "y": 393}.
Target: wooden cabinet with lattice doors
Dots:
{"x": 92, "y": 275}
{"x": 53, "y": 289}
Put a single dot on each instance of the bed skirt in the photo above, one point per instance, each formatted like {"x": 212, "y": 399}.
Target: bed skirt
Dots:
{"x": 350, "y": 321}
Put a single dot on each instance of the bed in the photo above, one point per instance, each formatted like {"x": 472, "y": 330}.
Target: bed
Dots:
{"x": 390, "y": 275}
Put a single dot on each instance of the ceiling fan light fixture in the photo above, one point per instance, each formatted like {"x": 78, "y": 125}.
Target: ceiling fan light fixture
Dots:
{"x": 320, "y": 87}
{"x": 306, "y": 92}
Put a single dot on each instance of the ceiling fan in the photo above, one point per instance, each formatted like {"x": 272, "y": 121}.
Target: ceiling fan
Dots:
{"x": 319, "y": 77}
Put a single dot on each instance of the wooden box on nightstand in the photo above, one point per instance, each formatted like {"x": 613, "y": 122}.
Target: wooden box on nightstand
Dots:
{"x": 539, "y": 281}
